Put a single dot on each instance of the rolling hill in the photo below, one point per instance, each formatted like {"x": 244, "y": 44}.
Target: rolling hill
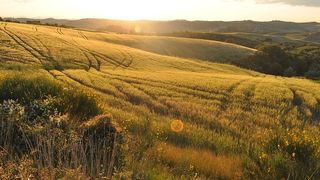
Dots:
{"x": 182, "y": 117}
{"x": 160, "y": 27}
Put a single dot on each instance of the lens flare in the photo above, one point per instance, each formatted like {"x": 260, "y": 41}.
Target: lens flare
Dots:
{"x": 177, "y": 125}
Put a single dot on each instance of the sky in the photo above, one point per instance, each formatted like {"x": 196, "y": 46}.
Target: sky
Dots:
{"x": 213, "y": 10}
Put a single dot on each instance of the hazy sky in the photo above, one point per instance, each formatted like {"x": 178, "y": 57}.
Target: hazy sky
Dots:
{"x": 262, "y": 10}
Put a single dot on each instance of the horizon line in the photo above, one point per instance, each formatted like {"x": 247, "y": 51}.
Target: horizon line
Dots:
{"x": 157, "y": 20}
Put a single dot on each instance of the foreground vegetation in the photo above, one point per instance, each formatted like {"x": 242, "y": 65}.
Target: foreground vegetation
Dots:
{"x": 47, "y": 133}
{"x": 180, "y": 118}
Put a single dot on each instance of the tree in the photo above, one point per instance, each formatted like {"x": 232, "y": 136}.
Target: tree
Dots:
{"x": 290, "y": 72}
{"x": 1, "y": 19}
{"x": 313, "y": 74}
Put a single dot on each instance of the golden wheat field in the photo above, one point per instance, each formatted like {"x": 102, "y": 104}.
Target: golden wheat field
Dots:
{"x": 182, "y": 117}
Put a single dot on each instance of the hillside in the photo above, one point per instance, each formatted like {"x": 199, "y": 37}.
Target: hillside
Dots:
{"x": 159, "y": 27}
{"x": 182, "y": 117}
{"x": 115, "y": 44}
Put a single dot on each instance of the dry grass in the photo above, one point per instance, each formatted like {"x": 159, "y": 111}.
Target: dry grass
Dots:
{"x": 201, "y": 162}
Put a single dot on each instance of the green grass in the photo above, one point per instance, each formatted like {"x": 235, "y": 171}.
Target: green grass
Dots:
{"x": 233, "y": 116}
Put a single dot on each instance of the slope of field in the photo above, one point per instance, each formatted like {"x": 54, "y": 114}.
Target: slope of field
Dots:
{"x": 214, "y": 51}
{"x": 182, "y": 118}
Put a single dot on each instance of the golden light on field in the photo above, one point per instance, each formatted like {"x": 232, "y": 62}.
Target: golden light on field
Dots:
{"x": 177, "y": 125}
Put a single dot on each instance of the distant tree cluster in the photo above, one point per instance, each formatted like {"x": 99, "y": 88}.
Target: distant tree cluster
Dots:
{"x": 272, "y": 59}
{"x": 56, "y": 25}
{"x": 33, "y": 22}
{"x": 218, "y": 37}
{"x": 1, "y": 19}
{"x": 11, "y": 20}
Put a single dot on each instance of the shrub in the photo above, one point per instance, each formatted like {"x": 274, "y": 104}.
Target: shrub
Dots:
{"x": 38, "y": 92}
{"x": 313, "y": 74}
{"x": 289, "y": 72}
{"x": 292, "y": 152}
{"x": 56, "y": 146}
{"x": 26, "y": 90}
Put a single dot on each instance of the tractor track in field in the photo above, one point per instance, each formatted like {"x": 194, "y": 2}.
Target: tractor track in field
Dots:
{"x": 204, "y": 124}
{"x": 59, "y": 31}
{"x": 85, "y": 53}
{"x": 150, "y": 106}
{"x": 98, "y": 57}
{"x": 83, "y": 35}
{"x": 5, "y": 59}
{"x": 249, "y": 94}
{"x": 50, "y": 56}
{"x": 101, "y": 90}
{"x": 137, "y": 80}
{"x": 34, "y": 52}
{"x": 126, "y": 56}
{"x": 163, "y": 85}
{"x": 227, "y": 101}
{"x": 297, "y": 101}
{"x": 35, "y": 28}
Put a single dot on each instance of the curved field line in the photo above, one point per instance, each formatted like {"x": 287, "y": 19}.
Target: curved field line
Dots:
{"x": 50, "y": 57}
{"x": 250, "y": 91}
{"x": 34, "y": 28}
{"x": 5, "y": 59}
{"x": 105, "y": 57}
{"x": 59, "y": 31}
{"x": 89, "y": 60}
{"x": 127, "y": 57}
{"x": 137, "y": 79}
{"x": 230, "y": 90}
{"x": 82, "y": 35}
{"x": 86, "y": 52}
{"x": 24, "y": 45}
{"x": 172, "y": 87}
{"x": 95, "y": 54}
{"x": 98, "y": 55}
{"x": 205, "y": 124}
{"x": 101, "y": 90}
{"x": 298, "y": 102}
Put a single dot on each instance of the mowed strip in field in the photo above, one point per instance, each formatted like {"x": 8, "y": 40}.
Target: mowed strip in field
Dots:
{"x": 227, "y": 112}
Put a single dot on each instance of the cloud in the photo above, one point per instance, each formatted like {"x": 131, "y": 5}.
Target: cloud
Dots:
{"x": 293, "y": 2}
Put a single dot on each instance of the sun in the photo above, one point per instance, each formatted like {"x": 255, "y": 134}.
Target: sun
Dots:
{"x": 131, "y": 10}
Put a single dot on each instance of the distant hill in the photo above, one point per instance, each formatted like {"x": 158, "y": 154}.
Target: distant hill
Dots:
{"x": 313, "y": 37}
{"x": 158, "y": 27}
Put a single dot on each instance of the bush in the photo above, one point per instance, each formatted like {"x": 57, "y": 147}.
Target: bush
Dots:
{"x": 36, "y": 127}
{"x": 37, "y": 92}
{"x": 26, "y": 90}
{"x": 290, "y": 72}
{"x": 292, "y": 152}
{"x": 313, "y": 74}
{"x": 53, "y": 66}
